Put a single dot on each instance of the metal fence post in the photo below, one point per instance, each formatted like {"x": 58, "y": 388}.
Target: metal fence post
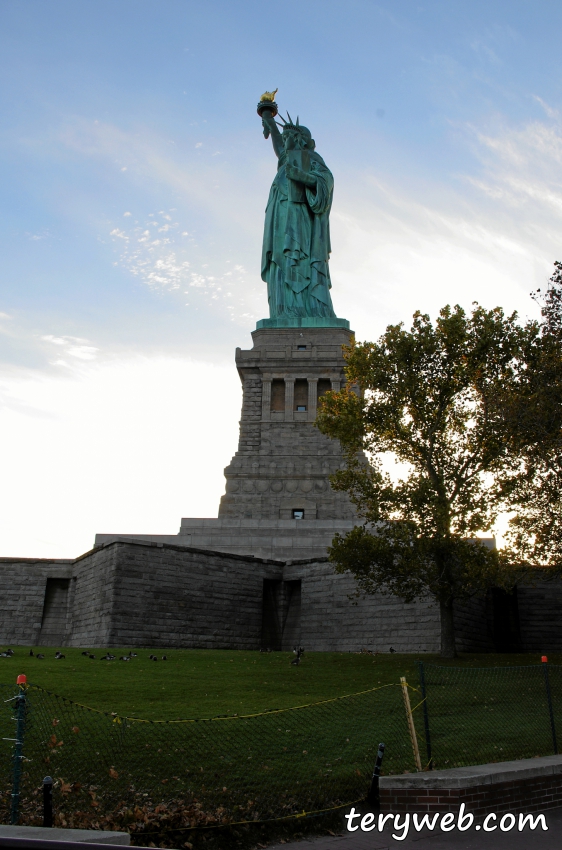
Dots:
{"x": 20, "y": 711}
{"x": 425, "y": 716}
{"x": 544, "y": 666}
{"x": 373, "y": 797}
{"x": 48, "y": 801}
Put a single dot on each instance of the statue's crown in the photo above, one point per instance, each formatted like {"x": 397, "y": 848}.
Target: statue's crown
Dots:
{"x": 294, "y": 127}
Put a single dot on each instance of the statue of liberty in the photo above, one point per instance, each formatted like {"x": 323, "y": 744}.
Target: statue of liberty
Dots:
{"x": 296, "y": 240}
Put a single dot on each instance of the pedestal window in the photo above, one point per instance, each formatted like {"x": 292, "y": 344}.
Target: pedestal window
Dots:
{"x": 278, "y": 395}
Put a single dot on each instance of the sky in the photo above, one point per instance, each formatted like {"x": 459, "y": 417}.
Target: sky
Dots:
{"x": 134, "y": 177}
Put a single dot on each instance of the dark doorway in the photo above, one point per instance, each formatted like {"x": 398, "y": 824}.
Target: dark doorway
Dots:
{"x": 291, "y": 635}
{"x": 55, "y": 606}
{"x": 271, "y": 630}
{"x": 507, "y": 636}
{"x": 281, "y": 614}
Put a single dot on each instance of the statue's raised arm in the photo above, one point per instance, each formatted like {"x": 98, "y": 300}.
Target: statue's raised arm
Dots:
{"x": 267, "y": 110}
{"x": 296, "y": 242}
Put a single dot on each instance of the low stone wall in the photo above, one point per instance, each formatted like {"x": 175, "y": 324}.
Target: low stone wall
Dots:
{"x": 140, "y": 593}
{"x": 137, "y": 593}
{"x": 334, "y": 620}
{"x": 150, "y": 594}
{"x": 529, "y": 785}
{"x": 134, "y": 593}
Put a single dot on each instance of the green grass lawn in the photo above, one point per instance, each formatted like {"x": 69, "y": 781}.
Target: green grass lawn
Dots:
{"x": 204, "y": 683}
{"x": 274, "y": 763}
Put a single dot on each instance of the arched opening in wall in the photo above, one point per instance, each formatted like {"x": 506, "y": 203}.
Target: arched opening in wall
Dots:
{"x": 301, "y": 395}
{"x": 278, "y": 395}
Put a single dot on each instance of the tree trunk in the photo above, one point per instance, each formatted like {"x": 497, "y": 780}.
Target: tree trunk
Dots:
{"x": 447, "y": 630}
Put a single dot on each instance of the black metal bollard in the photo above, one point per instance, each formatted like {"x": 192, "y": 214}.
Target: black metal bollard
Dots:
{"x": 48, "y": 801}
{"x": 373, "y": 797}
{"x": 544, "y": 665}
{"x": 425, "y": 716}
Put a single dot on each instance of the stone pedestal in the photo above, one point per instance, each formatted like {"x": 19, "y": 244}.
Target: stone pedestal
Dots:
{"x": 278, "y": 539}
{"x": 281, "y": 468}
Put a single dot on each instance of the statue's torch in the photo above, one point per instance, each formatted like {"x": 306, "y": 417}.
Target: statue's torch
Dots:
{"x": 267, "y": 108}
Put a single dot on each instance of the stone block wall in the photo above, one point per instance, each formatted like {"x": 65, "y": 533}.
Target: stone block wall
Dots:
{"x": 23, "y": 582}
{"x": 142, "y": 593}
{"x": 540, "y": 616}
{"x": 473, "y": 626}
{"x": 95, "y": 574}
{"x": 539, "y": 608}
{"x": 283, "y": 462}
{"x": 150, "y": 594}
{"x": 332, "y": 622}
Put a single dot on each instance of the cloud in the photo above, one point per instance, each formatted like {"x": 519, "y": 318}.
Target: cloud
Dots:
{"x": 213, "y": 185}
{"x": 37, "y": 237}
{"x": 98, "y": 423}
{"x": 551, "y": 113}
{"x": 491, "y": 234}
{"x": 523, "y": 169}
{"x": 73, "y": 347}
{"x": 157, "y": 252}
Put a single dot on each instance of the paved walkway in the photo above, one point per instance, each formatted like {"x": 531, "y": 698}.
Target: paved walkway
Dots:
{"x": 470, "y": 840}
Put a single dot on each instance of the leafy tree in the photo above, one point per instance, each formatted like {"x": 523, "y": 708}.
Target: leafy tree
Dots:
{"x": 533, "y": 415}
{"x": 426, "y": 399}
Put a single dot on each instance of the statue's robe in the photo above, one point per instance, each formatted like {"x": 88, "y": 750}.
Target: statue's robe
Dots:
{"x": 296, "y": 245}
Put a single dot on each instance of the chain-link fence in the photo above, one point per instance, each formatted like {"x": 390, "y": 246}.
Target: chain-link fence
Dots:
{"x": 488, "y": 714}
{"x": 222, "y": 770}
{"x": 153, "y": 776}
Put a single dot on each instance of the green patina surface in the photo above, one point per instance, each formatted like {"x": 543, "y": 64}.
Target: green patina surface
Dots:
{"x": 306, "y": 322}
{"x": 296, "y": 241}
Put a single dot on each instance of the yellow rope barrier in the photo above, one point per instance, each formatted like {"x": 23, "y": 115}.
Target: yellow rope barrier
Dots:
{"x": 250, "y": 822}
{"x": 270, "y": 711}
